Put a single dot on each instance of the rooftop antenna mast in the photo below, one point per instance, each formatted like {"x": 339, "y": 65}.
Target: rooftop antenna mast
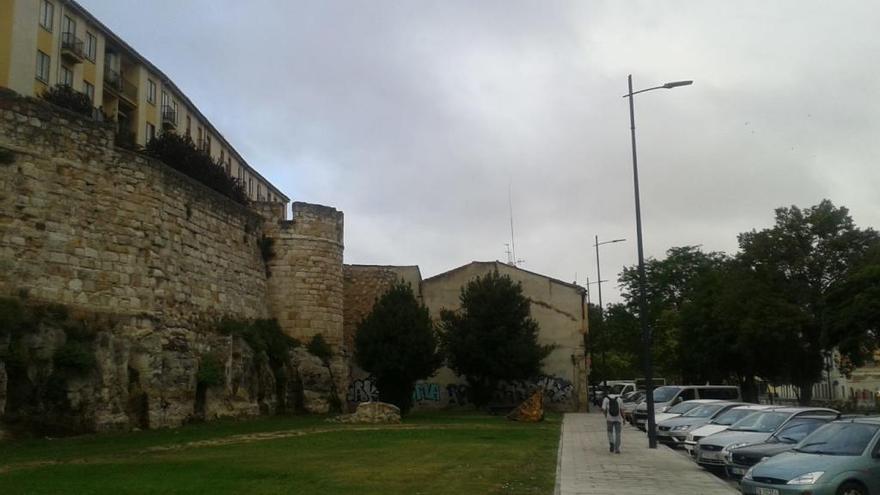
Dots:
{"x": 513, "y": 260}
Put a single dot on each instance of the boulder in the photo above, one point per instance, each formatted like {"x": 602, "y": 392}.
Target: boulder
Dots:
{"x": 316, "y": 380}
{"x": 371, "y": 412}
{"x": 530, "y": 411}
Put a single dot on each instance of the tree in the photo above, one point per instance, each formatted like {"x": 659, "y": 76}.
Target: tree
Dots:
{"x": 669, "y": 285}
{"x": 801, "y": 260}
{"x": 614, "y": 344}
{"x": 397, "y": 344}
{"x": 492, "y": 337}
{"x": 854, "y": 304}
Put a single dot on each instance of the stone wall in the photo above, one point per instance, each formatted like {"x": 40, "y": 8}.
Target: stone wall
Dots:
{"x": 160, "y": 258}
{"x": 363, "y": 284}
{"x": 86, "y": 224}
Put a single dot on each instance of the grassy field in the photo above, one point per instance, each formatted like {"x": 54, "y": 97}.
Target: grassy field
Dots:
{"x": 431, "y": 453}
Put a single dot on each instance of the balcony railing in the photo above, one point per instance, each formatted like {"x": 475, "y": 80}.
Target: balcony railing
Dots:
{"x": 169, "y": 116}
{"x": 114, "y": 81}
{"x": 72, "y": 47}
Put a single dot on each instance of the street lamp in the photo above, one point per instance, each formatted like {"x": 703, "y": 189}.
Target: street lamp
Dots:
{"x": 643, "y": 317}
{"x": 599, "y": 270}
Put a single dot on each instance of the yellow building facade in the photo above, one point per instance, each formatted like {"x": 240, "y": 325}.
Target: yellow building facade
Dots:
{"x": 45, "y": 43}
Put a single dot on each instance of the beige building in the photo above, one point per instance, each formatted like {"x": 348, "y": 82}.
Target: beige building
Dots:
{"x": 559, "y": 308}
{"x": 44, "y": 43}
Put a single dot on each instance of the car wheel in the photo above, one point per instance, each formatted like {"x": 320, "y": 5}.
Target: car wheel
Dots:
{"x": 851, "y": 488}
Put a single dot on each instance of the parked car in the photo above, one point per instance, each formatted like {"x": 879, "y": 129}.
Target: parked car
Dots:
{"x": 720, "y": 424}
{"x": 630, "y": 402}
{"x": 674, "y": 431}
{"x": 840, "y": 458}
{"x": 679, "y": 409}
{"x": 670, "y": 395}
{"x": 755, "y": 428}
{"x": 740, "y": 459}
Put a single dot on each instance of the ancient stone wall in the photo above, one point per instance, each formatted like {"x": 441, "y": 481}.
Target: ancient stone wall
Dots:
{"x": 86, "y": 224}
{"x": 121, "y": 238}
{"x": 363, "y": 284}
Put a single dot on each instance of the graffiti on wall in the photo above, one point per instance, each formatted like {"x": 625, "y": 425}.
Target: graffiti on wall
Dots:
{"x": 363, "y": 390}
{"x": 556, "y": 390}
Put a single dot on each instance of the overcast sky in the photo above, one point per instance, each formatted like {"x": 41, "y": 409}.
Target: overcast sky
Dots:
{"x": 414, "y": 117}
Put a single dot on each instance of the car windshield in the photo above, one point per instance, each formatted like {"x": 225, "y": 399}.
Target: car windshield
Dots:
{"x": 762, "y": 422}
{"x": 634, "y": 397}
{"x": 732, "y": 416}
{"x": 665, "y": 394}
{"x": 682, "y": 408}
{"x": 795, "y": 432}
{"x": 704, "y": 411}
{"x": 838, "y": 439}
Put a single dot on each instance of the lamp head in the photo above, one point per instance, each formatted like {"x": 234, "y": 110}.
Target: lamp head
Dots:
{"x": 676, "y": 84}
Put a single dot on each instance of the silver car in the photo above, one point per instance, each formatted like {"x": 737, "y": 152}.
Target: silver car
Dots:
{"x": 756, "y": 428}
{"x": 674, "y": 431}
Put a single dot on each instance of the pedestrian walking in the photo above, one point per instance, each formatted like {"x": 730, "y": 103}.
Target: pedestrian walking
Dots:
{"x": 613, "y": 410}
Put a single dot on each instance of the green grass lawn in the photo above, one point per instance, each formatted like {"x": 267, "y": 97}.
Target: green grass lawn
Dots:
{"x": 430, "y": 453}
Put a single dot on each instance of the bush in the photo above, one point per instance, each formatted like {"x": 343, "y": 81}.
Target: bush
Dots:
{"x": 264, "y": 337}
{"x": 180, "y": 153}
{"x": 211, "y": 370}
{"x": 6, "y": 156}
{"x": 396, "y": 343}
{"x": 66, "y": 97}
{"x": 492, "y": 337}
{"x": 320, "y": 348}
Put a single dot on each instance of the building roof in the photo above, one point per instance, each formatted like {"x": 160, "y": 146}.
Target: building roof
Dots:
{"x": 496, "y": 264}
{"x": 167, "y": 81}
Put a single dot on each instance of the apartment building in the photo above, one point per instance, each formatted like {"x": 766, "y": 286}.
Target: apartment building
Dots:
{"x": 44, "y": 43}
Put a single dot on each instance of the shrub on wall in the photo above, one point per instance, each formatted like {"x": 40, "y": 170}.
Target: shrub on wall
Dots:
{"x": 264, "y": 337}
{"x": 66, "y": 97}
{"x": 180, "y": 153}
{"x": 211, "y": 371}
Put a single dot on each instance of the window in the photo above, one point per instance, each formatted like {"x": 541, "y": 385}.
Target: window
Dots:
{"x": 165, "y": 100}
{"x": 250, "y": 186}
{"x": 42, "y": 67}
{"x": 199, "y": 137}
{"x": 259, "y": 192}
{"x": 91, "y": 46}
{"x": 174, "y": 110}
{"x": 208, "y": 143}
{"x": 222, "y": 155}
{"x": 89, "y": 90}
{"x": 240, "y": 172}
{"x": 151, "y": 132}
{"x": 68, "y": 25}
{"x": 151, "y": 91}
{"x": 188, "y": 126}
{"x": 66, "y": 77}
{"x": 229, "y": 165}
{"x": 47, "y": 13}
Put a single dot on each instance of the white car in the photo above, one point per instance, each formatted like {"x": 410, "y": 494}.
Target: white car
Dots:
{"x": 721, "y": 423}
{"x": 674, "y": 411}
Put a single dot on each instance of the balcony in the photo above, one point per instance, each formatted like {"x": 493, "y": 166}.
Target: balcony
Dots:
{"x": 169, "y": 117}
{"x": 72, "y": 48}
{"x": 117, "y": 84}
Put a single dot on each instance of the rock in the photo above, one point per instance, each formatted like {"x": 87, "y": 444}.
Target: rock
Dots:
{"x": 371, "y": 412}
{"x": 530, "y": 411}
{"x": 317, "y": 383}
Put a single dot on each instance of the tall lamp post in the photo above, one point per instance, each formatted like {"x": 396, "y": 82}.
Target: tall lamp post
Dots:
{"x": 643, "y": 316}
{"x": 599, "y": 269}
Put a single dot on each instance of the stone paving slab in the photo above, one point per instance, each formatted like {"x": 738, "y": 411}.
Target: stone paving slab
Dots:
{"x": 585, "y": 466}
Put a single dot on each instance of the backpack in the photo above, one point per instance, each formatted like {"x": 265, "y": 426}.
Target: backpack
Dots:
{"x": 614, "y": 406}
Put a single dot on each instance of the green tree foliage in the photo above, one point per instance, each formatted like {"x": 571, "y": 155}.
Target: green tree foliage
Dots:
{"x": 614, "y": 344}
{"x": 211, "y": 372}
{"x": 802, "y": 259}
{"x": 66, "y": 97}
{"x": 669, "y": 285}
{"x": 492, "y": 337}
{"x": 263, "y": 336}
{"x": 397, "y": 344}
{"x": 180, "y": 153}
{"x": 854, "y": 308}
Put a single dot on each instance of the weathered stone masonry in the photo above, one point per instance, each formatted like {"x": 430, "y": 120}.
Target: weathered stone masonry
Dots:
{"x": 109, "y": 232}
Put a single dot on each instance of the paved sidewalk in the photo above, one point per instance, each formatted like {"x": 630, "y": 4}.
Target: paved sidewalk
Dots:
{"x": 587, "y": 468}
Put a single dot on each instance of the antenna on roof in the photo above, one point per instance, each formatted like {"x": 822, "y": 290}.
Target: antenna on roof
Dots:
{"x": 512, "y": 260}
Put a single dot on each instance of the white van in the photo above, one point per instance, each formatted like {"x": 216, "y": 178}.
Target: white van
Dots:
{"x": 670, "y": 395}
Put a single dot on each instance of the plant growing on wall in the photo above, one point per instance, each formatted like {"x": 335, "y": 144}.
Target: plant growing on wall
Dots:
{"x": 66, "y": 97}
{"x": 180, "y": 153}
{"x": 397, "y": 344}
{"x": 492, "y": 337}
{"x": 267, "y": 251}
{"x": 320, "y": 348}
